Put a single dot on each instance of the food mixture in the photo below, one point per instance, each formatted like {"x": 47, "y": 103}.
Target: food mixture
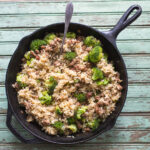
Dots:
{"x": 68, "y": 93}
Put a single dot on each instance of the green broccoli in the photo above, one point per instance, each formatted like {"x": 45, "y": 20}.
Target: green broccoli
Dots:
{"x": 70, "y": 55}
{"x": 94, "y": 124}
{"x": 103, "y": 82}
{"x": 49, "y": 37}
{"x": 73, "y": 128}
{"x": 71, "y": 120}
{"x": 91, "y": 41}
{"x": 19, "y": 80}
{"x": 36, "y": 44}
{"x": 51, "y": 84}
{"x": 71, "y": 35}
{"x": 29, "y": 61}
{"x": 95, "y": 54}
{"x": 27, "y": 55}
{"x": 80, "y": 112}
{"x": 46, "y": 98}
{"x": 38, "y": 80}
{"x": 86, "y": 58}
{"x": 58, "y": 125}
{"x": 76, "y": 81}
{"x": 105, "y": 56}
{"x": 97, "y": 74}
{"x": 81, "y": 97}
{"x": 58, "y": 111}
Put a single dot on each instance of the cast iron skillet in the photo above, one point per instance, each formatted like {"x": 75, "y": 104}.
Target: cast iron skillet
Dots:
{"x": 108, "y": 40}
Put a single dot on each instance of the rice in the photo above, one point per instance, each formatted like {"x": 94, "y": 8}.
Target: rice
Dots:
{"x": 100, "y": 99}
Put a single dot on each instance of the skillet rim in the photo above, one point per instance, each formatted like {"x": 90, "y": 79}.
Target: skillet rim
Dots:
{"x": 95, "y": 134}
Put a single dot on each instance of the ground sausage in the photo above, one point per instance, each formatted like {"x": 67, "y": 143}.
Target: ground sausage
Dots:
{"x": 89, "y": 94}
{"x": 79, "y": 125}
{"x": 33, "y": 53}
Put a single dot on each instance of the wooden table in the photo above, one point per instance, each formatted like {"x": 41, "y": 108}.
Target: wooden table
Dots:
{"x": 132, "y": 130}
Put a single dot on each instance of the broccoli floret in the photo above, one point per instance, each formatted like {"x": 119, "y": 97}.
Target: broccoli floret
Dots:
{"x": 103, "y": 82}
{"x": 49, "y": 37}
{"x": 73, "y": 128}
{"x": 38, "y": 80}
{"x": 105, "y": 56}
{"x": 19, "y": 80}
{"x": 71, "y": 35}
{"x": 80, "y": 112}
{"x": 86, "y": 58}
{"x": 76, "y": 81}
{"x": 81, "y": 97}
{"x": 51, "y": 84}
{"x": 91, "y": 41}
{"x": 36, "y": 44}
{"x": 46, "y": 98}
{"x": 97, "y": 74}
{"x": 58, "y": 111}
{"x": 71, "y": 120}
{"x": 94, "y": 124}
{"x": 29, "y": 61}
{"x": 58, "y": 125}
{"x": 27, "y": 55}
{"x": 70, "y": 55}
{"x": 95, "y": 54}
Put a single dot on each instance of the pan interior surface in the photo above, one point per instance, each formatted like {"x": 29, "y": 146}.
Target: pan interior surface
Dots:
{"x": 14, "y": 67}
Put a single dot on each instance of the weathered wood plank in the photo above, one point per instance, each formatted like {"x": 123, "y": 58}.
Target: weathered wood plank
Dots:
{"x": 76, "y": 147}
{"x": 125, "y": 47}
{"x": 56, "y": 1}
{"x": 112, "y": 136}
{"x": 137, "y": 104}
{"x": 139, "y": 33}
{"x": 131, "y": 105}
{"x": 138, "y": 75}
{"x": 116, "y": 6}
{"x": 123, "y": 122}
{"x": 2, "y": 76}
{"x": 134, "y": 75}
{"x": 36, "y": 20}
{"x": 133, "y": 47}
{"x": 132, "y": 61}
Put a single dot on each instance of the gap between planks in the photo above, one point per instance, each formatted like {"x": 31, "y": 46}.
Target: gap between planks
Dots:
{"x": 79, "y": 145}
{"x": 58, "y": 1}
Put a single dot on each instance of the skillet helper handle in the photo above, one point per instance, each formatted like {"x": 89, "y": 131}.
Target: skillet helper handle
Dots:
{"x": 125, "y": 21}
{"x": 15, "y": 132}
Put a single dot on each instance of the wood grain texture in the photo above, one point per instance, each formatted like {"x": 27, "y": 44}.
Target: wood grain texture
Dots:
{"x": 130, "y": 122}
{"x": 82, "y": 7}
{"x": 132, "y": 129}
{"x": 132, "y": 105}
{"x": 134, "y": 90}
{"x": 132, "y": 61}
{"x": 76, "y": 147}
{"x": 60, "y": 1}
{"x": 138, "y": 33}
{"x": 92, "y": 19}
{"x": 134, "y": 76}
{"x": 113, "y": 136}
{"x": 125, "y": 47}
{"x": 138, "y": 100}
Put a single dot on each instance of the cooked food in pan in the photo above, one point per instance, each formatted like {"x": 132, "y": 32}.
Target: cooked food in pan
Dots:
{"x": 68, "y": 93}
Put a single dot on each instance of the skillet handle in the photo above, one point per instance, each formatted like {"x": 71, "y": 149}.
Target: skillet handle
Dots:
{"x": 15, "y": 132}
{"x": 123, "y": 22}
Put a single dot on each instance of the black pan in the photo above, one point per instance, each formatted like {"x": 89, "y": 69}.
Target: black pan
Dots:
{"x": 108, "y": 40}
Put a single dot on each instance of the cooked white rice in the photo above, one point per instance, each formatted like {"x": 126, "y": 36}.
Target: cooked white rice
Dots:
{"x": 101, "y": 100}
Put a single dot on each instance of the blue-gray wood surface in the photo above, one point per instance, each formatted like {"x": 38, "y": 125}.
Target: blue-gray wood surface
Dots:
{"x": 132, "y": 130}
